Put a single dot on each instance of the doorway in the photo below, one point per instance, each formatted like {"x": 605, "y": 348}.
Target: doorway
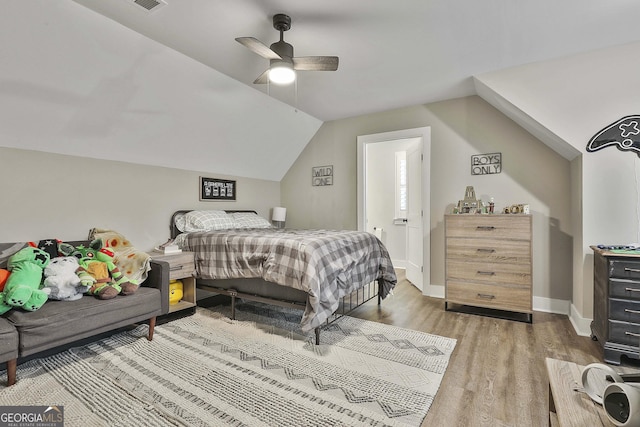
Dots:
{"x": 415, "y": 224}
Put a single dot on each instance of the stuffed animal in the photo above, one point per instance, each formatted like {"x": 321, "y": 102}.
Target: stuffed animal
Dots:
{"x": 98, "y": 271}
{"x": 133, "y": 263}
{"x": 61, "y": 281}
{"x": 22, "y": 288}
{"x": 176, "y": 291}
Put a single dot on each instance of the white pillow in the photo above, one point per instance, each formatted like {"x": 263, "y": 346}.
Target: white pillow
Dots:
{"x": 250, "y": 220}
{"x": 207, "y": 220}
{"x": 180, "y": 221}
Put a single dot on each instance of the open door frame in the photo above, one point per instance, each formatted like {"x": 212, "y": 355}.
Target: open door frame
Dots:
{"x": 425, "y": 134}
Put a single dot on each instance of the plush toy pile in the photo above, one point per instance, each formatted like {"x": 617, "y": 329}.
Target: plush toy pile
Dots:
{"x": 59, "y": 271}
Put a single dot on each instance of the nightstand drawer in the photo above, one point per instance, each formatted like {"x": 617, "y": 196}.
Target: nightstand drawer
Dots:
{"x": 180, "y": 265}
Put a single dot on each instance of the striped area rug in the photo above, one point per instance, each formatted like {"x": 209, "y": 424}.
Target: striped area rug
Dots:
{"x": 206, "y": 370}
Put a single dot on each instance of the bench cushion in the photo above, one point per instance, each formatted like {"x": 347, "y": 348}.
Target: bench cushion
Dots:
{"x": 60, "y": 322}
{"x": 8, "y": 341}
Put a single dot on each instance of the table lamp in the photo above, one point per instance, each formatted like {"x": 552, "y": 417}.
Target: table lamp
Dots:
{"x": 278, "y": 216}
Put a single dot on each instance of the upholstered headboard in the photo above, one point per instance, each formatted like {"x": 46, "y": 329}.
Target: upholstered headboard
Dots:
{"x": 172, "y": 225}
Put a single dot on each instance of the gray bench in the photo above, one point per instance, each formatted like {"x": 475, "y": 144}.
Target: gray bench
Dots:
{"x": 58, "y": 323}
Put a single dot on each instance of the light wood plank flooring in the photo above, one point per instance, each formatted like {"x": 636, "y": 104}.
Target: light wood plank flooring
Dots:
{"x": 496, "y": 375}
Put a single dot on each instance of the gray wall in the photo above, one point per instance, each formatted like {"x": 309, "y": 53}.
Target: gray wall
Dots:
{"x": 532, "y": 173}
{"x": 57, "y": 196}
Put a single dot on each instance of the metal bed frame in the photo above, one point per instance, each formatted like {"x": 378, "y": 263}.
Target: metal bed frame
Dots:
{"x": 347, "y": 305}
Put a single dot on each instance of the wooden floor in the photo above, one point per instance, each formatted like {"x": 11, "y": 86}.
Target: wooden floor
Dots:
{"x": 496, "y": 375}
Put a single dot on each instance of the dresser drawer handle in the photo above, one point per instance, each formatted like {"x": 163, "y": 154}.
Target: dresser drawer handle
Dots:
{"x": 485, "y": 250}
{"x": 486, "y": 296}
{"x": 176, "y": 267}
{"x": 485, "y": 227}
{"x": 632, "y": 334}
{"x": 631, "y": 290}
{"x": 632, "y": 270}
{"x": 487, "y": 273}
{"x": 628, "y": 310}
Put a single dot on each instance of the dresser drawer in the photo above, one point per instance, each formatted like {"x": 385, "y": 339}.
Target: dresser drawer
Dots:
{"x": 624, "y": 310}
{"x": 624, "y": 289}
{"x": 490, "y": 296}
{"x": 517, "y": 227}
{"x": 624, "y": 269}
{"x": 624, "y": 333}
{"x": 489, "y": 250}
{"x": 488, "y": 272}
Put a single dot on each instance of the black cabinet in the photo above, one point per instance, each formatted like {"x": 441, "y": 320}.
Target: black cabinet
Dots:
{"x": 616, "y": 304}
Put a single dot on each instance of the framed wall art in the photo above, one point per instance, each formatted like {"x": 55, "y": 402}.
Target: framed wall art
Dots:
{"x": 321, "y": 175}
{"x": 486, "y": 164}
{"x": 217, "y": 189}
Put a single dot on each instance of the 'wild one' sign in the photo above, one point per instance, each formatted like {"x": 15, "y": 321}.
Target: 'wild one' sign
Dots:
{"x": 322, "y": 175}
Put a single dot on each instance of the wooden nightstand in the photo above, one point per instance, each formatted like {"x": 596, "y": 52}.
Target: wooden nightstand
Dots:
{"x": 181, "y": 267}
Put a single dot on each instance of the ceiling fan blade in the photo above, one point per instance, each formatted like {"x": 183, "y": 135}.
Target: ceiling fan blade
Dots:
{"x": 262, "y": 78}
{"x": 256, "y": 46}
{"x": 315, "y": 63}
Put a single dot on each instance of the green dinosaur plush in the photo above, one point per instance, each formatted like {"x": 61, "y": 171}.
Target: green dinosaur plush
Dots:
{"x": 23, "y": 285}
{"x": 98, "y": 271}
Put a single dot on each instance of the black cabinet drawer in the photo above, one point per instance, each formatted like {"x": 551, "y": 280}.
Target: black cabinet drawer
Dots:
{"x": 624, "y": 333}
{"x": 624, "y": 269}
{"x": 624, "y": 289}
{"x": 624, "y": 310}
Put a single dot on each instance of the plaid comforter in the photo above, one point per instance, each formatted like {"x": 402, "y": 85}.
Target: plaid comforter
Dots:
{"x": 327, "y": 265}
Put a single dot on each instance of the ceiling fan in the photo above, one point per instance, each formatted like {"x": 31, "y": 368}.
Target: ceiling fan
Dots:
{"x": 282, "y": 63}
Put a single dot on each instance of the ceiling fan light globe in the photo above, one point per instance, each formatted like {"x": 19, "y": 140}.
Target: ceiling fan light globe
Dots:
{"x": 282, "y": 75}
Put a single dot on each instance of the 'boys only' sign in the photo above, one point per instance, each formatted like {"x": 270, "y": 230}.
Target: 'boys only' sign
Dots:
{"x": 486, "y": 164}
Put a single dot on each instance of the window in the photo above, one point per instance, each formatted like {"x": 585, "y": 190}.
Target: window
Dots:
{"x": 401, "y": 184}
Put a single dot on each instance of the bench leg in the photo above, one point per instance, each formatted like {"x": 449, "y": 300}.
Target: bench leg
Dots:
{"x": 12, "y": 366}
{"x": 152, "y": 325}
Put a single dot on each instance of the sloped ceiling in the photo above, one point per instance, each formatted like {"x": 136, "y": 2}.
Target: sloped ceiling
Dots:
{"x": 107, "y": 79}
{"x": 74, "y": 82}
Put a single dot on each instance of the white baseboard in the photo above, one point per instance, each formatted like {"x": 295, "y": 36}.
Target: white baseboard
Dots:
{"x": 399, "y": 264}
{"x": 580, "y": 324}
{"x": 550, "y": 305}
{"x": 436, "y": 291}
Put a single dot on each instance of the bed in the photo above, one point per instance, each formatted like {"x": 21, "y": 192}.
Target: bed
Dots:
{"x": 325, "y": 273}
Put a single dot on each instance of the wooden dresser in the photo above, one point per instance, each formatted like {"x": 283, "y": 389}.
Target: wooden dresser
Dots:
{"x": 488, "y": 262}
{"x": 616, "y": 304}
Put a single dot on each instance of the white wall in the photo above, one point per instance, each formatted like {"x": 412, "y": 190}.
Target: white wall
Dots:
{"x": 532, "y": 173}
{"x": 58, "y": 196}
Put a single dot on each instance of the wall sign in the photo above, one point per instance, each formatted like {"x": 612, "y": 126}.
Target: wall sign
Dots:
{"x": 321, "y": 175}
{"x": 217, "y": 189}
{"x": 623, "y": 134}
{"x": 486, "y": 164}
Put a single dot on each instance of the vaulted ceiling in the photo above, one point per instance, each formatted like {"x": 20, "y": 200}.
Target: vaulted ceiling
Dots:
{"x": 392, "y": 54}
{"x": 171, "y": 87}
